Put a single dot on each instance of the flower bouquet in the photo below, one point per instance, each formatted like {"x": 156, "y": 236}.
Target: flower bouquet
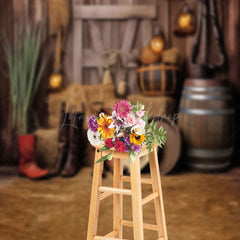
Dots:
{"x": 127, "y": 130}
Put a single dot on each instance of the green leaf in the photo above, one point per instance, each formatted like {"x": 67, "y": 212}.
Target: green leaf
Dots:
{"x": 106, "y": 157}
{"x": 132, "y": 156}
{"x": 152, "y": 124}
{"x": 155, "y": 127}
{"x": 104, "y": 148}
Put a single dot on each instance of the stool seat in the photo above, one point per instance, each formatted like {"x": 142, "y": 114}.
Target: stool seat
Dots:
{"x": 100, "y": 192}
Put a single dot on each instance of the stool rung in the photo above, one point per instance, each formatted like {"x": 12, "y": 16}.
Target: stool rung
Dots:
{"x": 143, "y": 180}
{"x": 107, "y": 238}
{"x": 149, "y": 198}
{"x": 145, "y": 225}
{"x": 112, "y": 234}
{"x": 104, "y": 195}
{"x": 115, "y": 190}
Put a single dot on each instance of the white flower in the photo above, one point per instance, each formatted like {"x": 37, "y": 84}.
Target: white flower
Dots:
{"x": 94, "y": 138}
{"x": 142, "y": 107}
{"x": 101, "y": 114}
{"x": 138, "y": 129}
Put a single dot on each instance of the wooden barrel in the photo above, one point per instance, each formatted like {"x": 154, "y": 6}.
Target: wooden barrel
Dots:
{"x": 206, "y": 119}
{"x": 157, "y": 79}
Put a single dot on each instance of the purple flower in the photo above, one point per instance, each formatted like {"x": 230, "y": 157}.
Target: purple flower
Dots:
{"x": 92, "y": 123}
{"x": 126, "y": 148}
{"x": 136, "y": 148}
{"x": 127, "y": 140}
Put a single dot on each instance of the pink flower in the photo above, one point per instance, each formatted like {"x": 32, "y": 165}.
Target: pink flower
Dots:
{"x": 141, "y": 122}
{"x": 140, "y": 113}
{"x": 122, "y": 108}
{"x": 130, "y": 120}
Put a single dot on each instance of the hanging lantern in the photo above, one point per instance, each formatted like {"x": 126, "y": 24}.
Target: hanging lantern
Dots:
{"x": 55, "y": 81}
{"x": 56, "y": 78}
{"x": 157, "y": 42}
{"x": 185, "y": 22}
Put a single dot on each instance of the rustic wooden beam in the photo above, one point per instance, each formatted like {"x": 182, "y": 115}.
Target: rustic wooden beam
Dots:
{"x": 164, "y": 18}
{"x": 77, "y": 52}
{"x": 107, "y": 30}
{"x": 97, "y": 43}
{"x": 129, "y": 35}
{"x": 94, "y": 60}
{"x": 146, "y": 30}
{"x": 232, "y": 41}
{"x": 112, "y": 12}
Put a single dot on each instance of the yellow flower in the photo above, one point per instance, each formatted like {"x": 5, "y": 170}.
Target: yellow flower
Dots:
{"x": 104, "y": 129}
{"x": 137, "y": 139}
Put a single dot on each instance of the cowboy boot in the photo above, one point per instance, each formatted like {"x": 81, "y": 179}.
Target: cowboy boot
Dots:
{"x": 63, "y": 132}
{"x": 27, "y": 165}
{"x": 76, "y": 145}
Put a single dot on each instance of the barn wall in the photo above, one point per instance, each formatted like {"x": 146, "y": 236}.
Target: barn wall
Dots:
{"x": 6, "y": 25}
{"x": 36, "y": 12}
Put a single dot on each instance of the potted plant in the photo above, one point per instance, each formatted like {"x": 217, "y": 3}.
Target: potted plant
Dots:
{"x": 25, "y": 72}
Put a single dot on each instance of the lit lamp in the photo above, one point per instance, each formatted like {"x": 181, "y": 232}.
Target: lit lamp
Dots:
{"x": 55, "y": 81}
{"x": 185, "y": 22}
{"x": 157, "y": 42}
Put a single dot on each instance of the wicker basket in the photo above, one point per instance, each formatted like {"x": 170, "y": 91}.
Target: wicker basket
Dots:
{"x": 157, "y": 79}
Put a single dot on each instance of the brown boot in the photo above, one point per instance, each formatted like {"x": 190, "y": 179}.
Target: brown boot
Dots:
{"x": 63, "y": 133}
{"x": 76, "y": 145}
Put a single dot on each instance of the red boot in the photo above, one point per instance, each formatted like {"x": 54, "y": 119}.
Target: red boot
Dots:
{"x": 27, "y": 164}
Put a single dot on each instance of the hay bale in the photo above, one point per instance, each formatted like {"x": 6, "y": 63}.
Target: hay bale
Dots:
{"x": 104, "y": 93}
{"x": 76, "y": 94}
{"x": 155, "y": 105}
{"x": 73, "y": 95}
{"x": 46, "y": 147}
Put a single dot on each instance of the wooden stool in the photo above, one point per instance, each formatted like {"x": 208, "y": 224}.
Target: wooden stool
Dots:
{"x": 100, "y": 192}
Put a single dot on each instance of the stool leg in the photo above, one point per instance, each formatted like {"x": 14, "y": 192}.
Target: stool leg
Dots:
{"x": 136, "y": 199}
{"x": 158, "y": 202}
{"x": 117, "y": 198}
{"x": 94, "y": 205}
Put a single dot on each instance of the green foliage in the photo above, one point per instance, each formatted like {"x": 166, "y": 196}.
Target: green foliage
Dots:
{"x": 153, "y": 134}
{"x": 104, "y": 148}
{"x": 132, "y": 156}
{"x": 24, "y": 72}
{"x": 106, "y": 157}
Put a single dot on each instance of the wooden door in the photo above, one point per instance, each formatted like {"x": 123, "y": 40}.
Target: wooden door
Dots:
{"x": 99, "y": 28}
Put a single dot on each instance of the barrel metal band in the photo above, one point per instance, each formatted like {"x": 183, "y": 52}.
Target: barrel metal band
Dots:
{"x": 198, "y": 111}
{"x": 206, "y": 97}
{"x": 207, "y": 89}
{"x": 205, "y": 166}
{"x": 210, "y": 153}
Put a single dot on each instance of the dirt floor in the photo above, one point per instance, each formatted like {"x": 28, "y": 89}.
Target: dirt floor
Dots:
{"x": 198, "y": 207}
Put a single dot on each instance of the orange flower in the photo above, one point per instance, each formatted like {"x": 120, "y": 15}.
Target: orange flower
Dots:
{"x": 104, "y": 129}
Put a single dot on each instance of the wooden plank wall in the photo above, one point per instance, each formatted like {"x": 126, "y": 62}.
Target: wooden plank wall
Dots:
{"x": 6, "y": 23}
{"x": 36, "y": 12}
